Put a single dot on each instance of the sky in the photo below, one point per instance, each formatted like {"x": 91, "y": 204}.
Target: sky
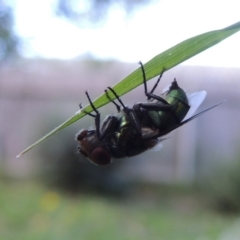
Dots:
{"x": 149, "y": 31}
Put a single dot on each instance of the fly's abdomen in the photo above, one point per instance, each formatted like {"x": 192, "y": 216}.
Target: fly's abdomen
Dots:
{"x": 177, "y": 98}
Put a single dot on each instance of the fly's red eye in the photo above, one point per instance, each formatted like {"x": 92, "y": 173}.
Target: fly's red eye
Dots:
{"x": 101, "y": 156}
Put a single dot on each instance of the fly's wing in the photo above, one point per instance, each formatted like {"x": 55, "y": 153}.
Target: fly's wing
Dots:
{"x": 157, "y": 147}
{"x": 194, "y": 100}
{"x": 186, "y": 121}
{"x": 166, "y": 89}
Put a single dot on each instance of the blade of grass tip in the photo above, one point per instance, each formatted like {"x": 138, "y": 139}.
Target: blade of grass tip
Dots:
{"x": 164, "y": 60}
{"x": 78, "y": 115}
{"x": 60, "y": 127}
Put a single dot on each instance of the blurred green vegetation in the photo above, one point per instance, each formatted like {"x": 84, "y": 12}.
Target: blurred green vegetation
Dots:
{"x": 223, "y": 186}
{"x": 9, "y": 42}
{"x": 94, "y": 12}
{"x": 29, "y": 211}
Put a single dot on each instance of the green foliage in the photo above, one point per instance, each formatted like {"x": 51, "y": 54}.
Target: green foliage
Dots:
{"x": 223, "y": 187}
{"x": 29, "y": 211}
{"x": 8, "y": 40}
{"x": 165, "y": 60}
{"x": 94, "y": 11}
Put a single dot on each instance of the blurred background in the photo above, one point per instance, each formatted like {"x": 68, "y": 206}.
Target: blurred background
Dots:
{"x": 50, "y": 53}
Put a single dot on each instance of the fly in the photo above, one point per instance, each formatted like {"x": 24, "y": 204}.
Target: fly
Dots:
{"x": 136, "y": 129}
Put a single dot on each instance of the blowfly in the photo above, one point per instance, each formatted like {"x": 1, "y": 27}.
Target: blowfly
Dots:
{"x": 136, "y": 129}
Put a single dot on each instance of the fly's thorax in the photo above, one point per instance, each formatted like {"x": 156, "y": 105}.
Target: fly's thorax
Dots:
{"x": 123, "y": 140}
{"x": 123, "y": 137}
{"x": 123, "y": 120}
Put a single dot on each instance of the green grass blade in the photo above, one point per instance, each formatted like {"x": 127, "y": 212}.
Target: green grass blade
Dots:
{"x": 164, "y": 60}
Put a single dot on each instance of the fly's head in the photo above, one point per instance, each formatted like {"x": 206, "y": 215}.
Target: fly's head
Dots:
{"x": 92, "y": 148}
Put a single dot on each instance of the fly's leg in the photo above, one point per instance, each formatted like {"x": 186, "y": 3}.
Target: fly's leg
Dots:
{"x": 156, "y": 84}
{"x": 108, "y": 125}
{"x": 150, "y": 94}
{"x": 117, "y": 106}
{"x": 117, "y": 97}
{"x": 95, "y": 116}
{"x": 156, "y": 106}
{"x": 153, "y": 96}
{"x": 130, "y": 113}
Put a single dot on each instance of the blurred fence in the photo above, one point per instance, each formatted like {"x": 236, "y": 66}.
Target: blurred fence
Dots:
{"x": 38, "y": 95}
